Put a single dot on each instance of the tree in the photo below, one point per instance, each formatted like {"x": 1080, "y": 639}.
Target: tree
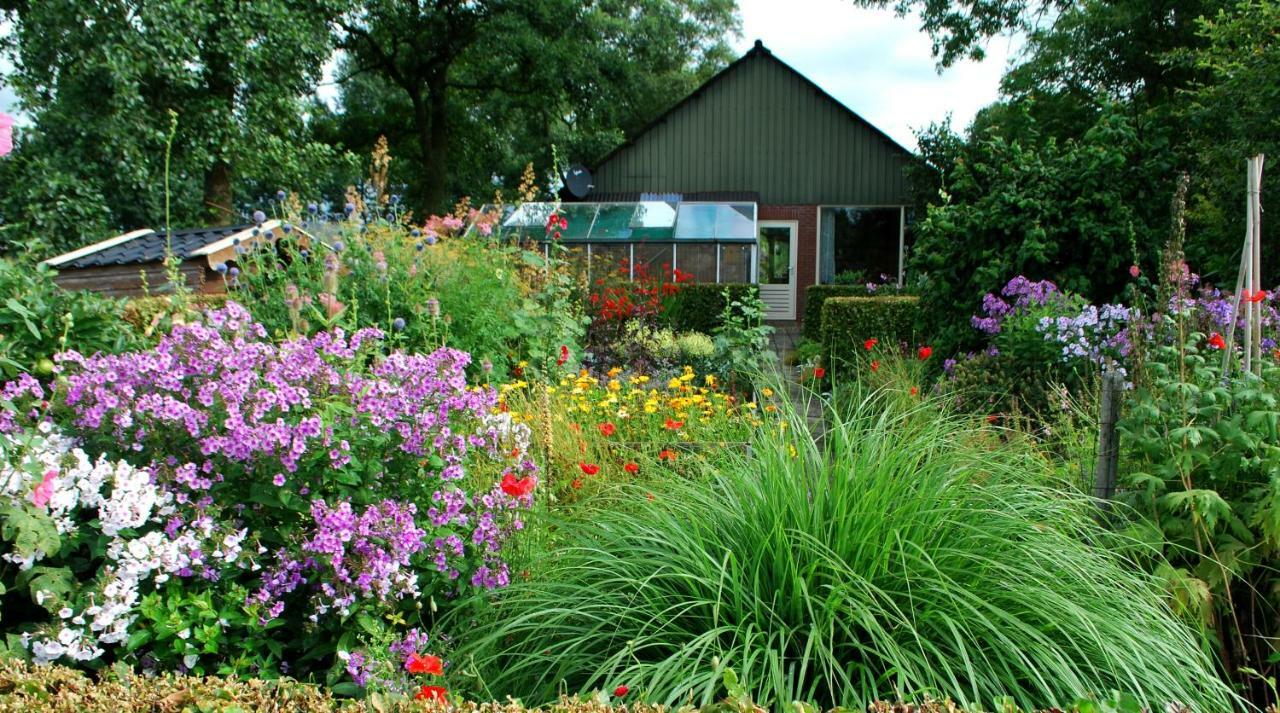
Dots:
{"x": 470, "y": 90}
{"x": 98, "y": 79}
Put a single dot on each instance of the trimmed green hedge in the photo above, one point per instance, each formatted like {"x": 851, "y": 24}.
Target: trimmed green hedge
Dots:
{"x": 849, "y": 321}
{"x": 697, "y": 307}
{"x": 817, "y": 295}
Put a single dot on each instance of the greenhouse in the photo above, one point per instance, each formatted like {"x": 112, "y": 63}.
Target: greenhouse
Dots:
{"x": 713, "y": 242}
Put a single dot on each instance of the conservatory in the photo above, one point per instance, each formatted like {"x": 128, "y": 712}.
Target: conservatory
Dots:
{"x": 713, "y": 242}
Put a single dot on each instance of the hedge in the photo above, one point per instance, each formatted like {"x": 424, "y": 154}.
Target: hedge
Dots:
{"x": 697, "y": 307}
{"x": 26, "y": 687}
{"x": 817, "y": 295}
{"x": 847, "y": 322}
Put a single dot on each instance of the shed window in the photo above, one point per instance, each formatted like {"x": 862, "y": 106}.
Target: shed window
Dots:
{"x": 861, "y": 244}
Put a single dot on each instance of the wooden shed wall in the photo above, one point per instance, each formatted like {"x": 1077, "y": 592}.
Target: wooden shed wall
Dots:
{"x": 126, "y": 280}
{"x": 761, "y": 126}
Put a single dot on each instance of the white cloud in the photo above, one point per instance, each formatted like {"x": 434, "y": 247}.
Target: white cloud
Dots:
{"x": 877, "y": 64}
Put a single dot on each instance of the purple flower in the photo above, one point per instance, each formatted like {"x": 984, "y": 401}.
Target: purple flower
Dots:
{"x": 259, "y": 217}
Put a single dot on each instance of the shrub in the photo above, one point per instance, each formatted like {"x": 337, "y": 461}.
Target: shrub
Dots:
{"x": 816, "y": 295}
{"x": 847, "y": 322}
{"x": 39, "y": 319}
{"x": 224, "y": 489}
{"x": 913, "y": 554}
{"x": 699, "y": 307}
{"x": 153, "y": 315}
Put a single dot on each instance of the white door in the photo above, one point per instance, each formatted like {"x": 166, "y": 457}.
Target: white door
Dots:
{"x": 776, "y": 268}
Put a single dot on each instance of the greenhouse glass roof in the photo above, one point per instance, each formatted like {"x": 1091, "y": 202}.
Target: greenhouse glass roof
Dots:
{"x": 644, "y": 221}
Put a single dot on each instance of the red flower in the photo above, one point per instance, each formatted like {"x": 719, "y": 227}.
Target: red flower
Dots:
{"x": 875, "y": 365}
{"x": 925, "y": 353}
{"x": 1254, "y": 297}
{"x": 649, "y": 497}
{"x": 589, "y": 468}
{"x": 1216, "y": 341}
{"x": 517, "y": 371}
{"x": 425, "y": 664}
{"x": 992, "y": 418}
{"x": 607, "y": 428}
{"x": 564, "y": 355}
{"x": 870, "y": 343}
{"x": 620, "y": 691}
{"x": 576, "y": 484}
{"x": 667, "y": 454}
{"x": 914, "y": 390}
{"x": 517, "y": 488}
{"x": 632, "y": 468}
{"x": 1134, "y": 271}
{"x": 431, "y": 693}
{"x": 674, "y": 425}
{"x": 819, "y": 372}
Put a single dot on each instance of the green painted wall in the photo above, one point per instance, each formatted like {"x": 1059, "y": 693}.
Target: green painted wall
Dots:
{"x": 761, "y": 126}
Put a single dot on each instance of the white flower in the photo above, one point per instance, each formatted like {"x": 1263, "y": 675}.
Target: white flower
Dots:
{"x": 66, "y": 613}
{"x": 190, "y": 660}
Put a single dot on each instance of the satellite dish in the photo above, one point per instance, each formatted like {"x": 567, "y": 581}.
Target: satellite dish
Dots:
{"x": 578, "y": 180}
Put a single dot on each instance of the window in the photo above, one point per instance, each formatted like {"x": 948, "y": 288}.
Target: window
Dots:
{"x": 735, "y": 263}
{"x": 775, "y": 255}
{"x": 697, "y": 259}
{"x": 861, "y": 242}
{"x": 653, "y": 258}
{"x": 608, "y": 258}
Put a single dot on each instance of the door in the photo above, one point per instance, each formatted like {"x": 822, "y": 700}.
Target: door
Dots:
{"x": 776, "y": 268}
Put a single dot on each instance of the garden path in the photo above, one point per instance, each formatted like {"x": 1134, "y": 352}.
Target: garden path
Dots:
{"x": 783, "y": 343}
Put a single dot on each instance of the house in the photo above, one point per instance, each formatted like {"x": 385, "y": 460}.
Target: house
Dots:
{"x": 757, "y": 176}
{"x": 117, "y": 266}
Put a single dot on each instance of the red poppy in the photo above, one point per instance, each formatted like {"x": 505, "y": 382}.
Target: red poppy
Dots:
{"x": 1254, "y": 297}
{"x": 875, "y": 365}
{"x": 515, "y": 452}
{"x": 1216, "y": 341}
{"x": 431, "y": 693}
{"x": 925, "y": 353}
{"x": 667, "y": 454}
{"x": 992, "y": 418}
{"x": 620, "y": 691}
{"x": 425, "y": 664}
{"x": 870, "y": 343}
{"x": 607, "y": 429}
{"x": 819, "y": 372}
{"x": 517, "y": 488}
{"x": 564, "y": 355}
{"x": 914, "y": 390}
{"x": 589, "y": 468}
{"x": 674, "y": 425}
{"x": 632, "y": 468}
{"x": 576, "y": 484}
{"x": 518, "y": 371}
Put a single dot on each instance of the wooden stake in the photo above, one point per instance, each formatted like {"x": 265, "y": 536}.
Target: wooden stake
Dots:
{"x": 1255, "y": 268}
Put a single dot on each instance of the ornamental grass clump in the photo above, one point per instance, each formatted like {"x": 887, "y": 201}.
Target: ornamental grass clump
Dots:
{"x": 912, "y": 555}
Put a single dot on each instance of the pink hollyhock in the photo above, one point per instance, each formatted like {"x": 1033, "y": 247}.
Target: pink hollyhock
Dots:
{"x": 6, "y": 133}
{"x": 44, "y": 491}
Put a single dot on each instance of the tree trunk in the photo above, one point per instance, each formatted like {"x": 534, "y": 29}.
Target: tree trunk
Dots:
{"x": 217, "y": 194}
{"x": 218, "y": 206}
{"x": 430, "y": 114}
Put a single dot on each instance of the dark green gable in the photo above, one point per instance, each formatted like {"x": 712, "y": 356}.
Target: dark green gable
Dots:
{"x": 763, "y": 127}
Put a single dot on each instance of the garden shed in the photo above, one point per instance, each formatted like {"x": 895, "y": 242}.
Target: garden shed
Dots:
{"x": 118, "y": 266}
{"x": 759, "y": 175}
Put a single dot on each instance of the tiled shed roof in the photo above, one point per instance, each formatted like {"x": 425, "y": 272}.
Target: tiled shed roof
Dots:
{"x": 146, "y": 246}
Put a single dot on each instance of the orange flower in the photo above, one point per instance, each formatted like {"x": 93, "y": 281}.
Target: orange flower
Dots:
{"x": 674, "y": 425}
{"x": 425, "y": 664}
{"x": 1216, "y": 341}
{"x": 870, "y": 344}
{"x": 632, "y": 468}
{"x": 589, "y": 468}
{"x": 875, "y": 365}
{"x": 576, "y": 484}
{"x": 607, "y": 429}
{"x": 667, "y": 454}
{"x": 431, "y": 693}
{"x": 649, "y": 496}
{"x": 914, "y": 390}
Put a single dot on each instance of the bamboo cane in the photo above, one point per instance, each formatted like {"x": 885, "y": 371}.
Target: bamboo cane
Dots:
{"x": 1255, "y": 270}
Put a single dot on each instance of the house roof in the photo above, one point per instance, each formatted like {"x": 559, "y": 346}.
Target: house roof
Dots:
{"x": 758, "y": 50}
{"x": 144, "y": 246}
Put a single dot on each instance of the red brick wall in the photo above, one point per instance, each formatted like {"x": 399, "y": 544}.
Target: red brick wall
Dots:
{"x": 807, "y": 244}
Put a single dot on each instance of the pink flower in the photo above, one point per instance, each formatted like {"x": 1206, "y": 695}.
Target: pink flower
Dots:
{"x": 44, "y": 491}
{"x": 6, "y": 133}
{"x": 1134, "y": 271}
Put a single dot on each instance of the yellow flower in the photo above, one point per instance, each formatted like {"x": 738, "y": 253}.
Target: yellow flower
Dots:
{"x": 768, "y": 392}
{"x": 791, "y": 448}
{"x": 710, "y": 379}
{"x": 673, "y": 384}
{"x": 614, "y": 372}
{"x": 615, "y": 385}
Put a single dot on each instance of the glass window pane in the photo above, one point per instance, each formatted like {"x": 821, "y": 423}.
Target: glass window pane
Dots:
{"x": 860, "y": 244}
{"x": 696, "y": 222}
{"x": 736, "y": 221}
{"x": 735, "y": 262}
{"x": 697, "y": 259}
{"x": 609, "y": 258}
{"x": 775, "y": 255}
{"x": 653, "y": 259}
{"x": 653, "y": 220}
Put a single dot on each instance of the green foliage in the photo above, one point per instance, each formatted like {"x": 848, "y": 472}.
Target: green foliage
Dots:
{"x": 815, "y": 296}
{"x": 912, "y": 554}
{"x": 742, "y": 338}
{"x": 39, "y": 319}
{"x": 847, "y": 322}
{"x": 1202, "y": 462}
{"x": 700, "y": 307}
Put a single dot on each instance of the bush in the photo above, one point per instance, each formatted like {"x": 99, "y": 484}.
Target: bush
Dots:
{"x": 152, "y": 315}
{"x": 223, "y": 489}
{"x": 39, "y": 319}
{"x": 817, "y": 295}
{"x": 698, "y": 307}
{"x": 912, "y": 554}
{"x": 847, "y": 322}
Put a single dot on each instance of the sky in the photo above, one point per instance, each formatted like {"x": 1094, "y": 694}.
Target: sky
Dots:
{"x": 877, "y": 64}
